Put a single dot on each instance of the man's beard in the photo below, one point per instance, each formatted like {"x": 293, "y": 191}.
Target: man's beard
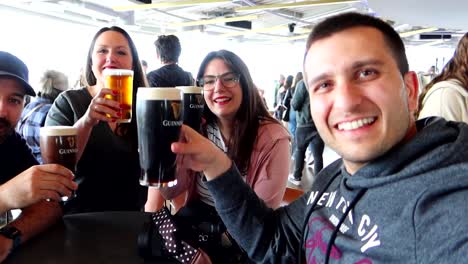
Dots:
{"x": 5, "y": 125}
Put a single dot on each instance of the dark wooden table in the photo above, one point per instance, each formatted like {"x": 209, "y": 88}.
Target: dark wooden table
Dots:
{"x": 105, "y": 237}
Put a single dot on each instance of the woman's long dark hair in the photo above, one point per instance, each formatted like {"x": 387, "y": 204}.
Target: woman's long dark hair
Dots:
{"x": 139, "y": 79}
{"x": 251, "y": 111}
{"x": 456, "y": 68}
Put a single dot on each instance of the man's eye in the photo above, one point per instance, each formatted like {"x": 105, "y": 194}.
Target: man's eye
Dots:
{"x": 323, "y": 85}
{"x": 15, "y": 101}
{"x": 365, "y": 73}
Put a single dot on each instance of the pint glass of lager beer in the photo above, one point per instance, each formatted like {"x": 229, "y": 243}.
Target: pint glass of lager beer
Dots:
{"x": 193, "y": 106}
{"x": 121, "y": 80}
{"x": 159, "y": 119}
{"x": 59, "y": 146}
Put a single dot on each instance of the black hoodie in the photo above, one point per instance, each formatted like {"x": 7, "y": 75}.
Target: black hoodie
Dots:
{"x": 408, "y": 206}
{"x": 170, "y": 75}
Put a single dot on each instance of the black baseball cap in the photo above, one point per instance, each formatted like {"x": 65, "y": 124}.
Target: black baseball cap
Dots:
{"x": 11, "y": 66}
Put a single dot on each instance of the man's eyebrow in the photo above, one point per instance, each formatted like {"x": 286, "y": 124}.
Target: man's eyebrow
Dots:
{"x": 362, "y": 63}
{"x": 355, "y": 65}
{"x": 318, "y": 77}
{"x": 18, "y": 94}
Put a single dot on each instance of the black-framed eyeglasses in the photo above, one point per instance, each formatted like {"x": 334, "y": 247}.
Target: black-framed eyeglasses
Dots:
{"x": 228, "y": 79}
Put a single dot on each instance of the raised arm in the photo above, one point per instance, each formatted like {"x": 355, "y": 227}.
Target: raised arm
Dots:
{"x": 62, "y": 113}
{"x": 254, "y": 225}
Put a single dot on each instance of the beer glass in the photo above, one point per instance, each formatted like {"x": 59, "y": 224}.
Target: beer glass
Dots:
{"x": 59, "y": 146}
{"x": 121, "y": 80}
{"x": 159, "y": 119}
{"x": 193, "y": 106}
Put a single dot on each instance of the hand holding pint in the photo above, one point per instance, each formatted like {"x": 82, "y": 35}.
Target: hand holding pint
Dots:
{"x": 121, "y": 81}
{"x": 59, "y": 145}
{"x": 159, "y": 119}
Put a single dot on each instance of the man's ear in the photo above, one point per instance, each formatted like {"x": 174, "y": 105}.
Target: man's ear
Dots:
{"x": 412, "y": 90}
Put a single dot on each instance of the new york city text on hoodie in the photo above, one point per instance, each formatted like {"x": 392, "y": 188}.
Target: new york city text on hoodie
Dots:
{"x": 409, "y": 206}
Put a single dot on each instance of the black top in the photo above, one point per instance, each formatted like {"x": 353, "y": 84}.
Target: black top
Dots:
{"x": 15, "y": 157}
{"x": 108, "y": 171}
{"x": 170, "y": 75}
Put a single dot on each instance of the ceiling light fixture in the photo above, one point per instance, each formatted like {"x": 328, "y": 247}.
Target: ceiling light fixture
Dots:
{"x": 168, "y": 4}
{"x": 296, "y": 4}
{"x": 213, "y": 21}
{"x": 418, "y": 31}
{"x": 253, "y": 31}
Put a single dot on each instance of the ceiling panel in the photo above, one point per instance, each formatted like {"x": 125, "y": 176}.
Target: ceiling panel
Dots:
{"x": 270, "y": 26}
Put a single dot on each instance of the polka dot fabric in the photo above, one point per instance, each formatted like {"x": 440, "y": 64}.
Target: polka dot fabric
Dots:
{"x": 180, "y": 250}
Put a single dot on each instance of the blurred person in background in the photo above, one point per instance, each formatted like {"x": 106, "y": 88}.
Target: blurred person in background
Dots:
{"x": 447, "y": 94}
{"x": 144, "y": 65}
{"x": 170, "y": 74}
{"x": 33, "y": 117}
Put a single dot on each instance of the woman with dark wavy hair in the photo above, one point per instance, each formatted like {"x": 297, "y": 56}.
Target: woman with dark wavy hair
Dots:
{"x": 108, "y": 169}
{"x": 447, "y": 94}
{"x": 237, "y": 122}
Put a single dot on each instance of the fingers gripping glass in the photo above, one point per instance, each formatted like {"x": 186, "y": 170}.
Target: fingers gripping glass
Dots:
{"x": 228, "y": 79}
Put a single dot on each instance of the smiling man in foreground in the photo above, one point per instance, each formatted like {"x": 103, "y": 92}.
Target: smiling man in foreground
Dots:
{"x": 399, "y": 193}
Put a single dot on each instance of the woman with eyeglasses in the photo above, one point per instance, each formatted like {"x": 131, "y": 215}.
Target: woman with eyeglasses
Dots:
{"x": 237, "y": 122}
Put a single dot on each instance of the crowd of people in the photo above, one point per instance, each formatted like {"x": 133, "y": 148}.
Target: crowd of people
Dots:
{"x": 397, "y": 194}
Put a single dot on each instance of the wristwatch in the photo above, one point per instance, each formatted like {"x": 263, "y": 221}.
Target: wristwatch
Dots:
{"x": 12, "y": 233}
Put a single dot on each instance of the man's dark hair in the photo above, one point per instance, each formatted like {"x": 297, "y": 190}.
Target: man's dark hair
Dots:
{"x": 346, "y": 21}
{"x": 168, "y": 48}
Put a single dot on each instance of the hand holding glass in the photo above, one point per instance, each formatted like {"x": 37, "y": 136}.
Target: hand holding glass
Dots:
{"x": 59, "y": 146}
{"x": 121, "y": 81}
{"x": 159, "y": 119}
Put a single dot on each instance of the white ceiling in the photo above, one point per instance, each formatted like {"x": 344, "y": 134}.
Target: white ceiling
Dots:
{"x": 444, "y": 14}
{"x": 449, "y": 16}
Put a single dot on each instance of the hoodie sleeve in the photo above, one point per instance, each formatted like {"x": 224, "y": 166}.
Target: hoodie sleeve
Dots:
{"x": 267, "y": 235}
{"x": 440, "y": 221}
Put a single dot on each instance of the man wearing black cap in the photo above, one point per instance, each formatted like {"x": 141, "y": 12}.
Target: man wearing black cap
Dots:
{"x": 24, "y": 184}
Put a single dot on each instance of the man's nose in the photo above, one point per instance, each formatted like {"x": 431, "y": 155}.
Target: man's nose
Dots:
{"x": 3, "y": 109}
{"x": 347, "y": 95}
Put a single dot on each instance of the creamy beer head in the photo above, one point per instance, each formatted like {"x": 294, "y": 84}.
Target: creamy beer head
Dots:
{"x": 58, "y": 131}
{"x": 117, "y": 72}
{"x": 158, "y": 93}
{"x": 190, "y": 89}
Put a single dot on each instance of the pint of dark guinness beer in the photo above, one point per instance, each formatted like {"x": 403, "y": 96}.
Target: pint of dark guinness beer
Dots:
{"x": 193, "y": 106}
{"x": 59, "y": 146}
{"x": 159, "y": 119}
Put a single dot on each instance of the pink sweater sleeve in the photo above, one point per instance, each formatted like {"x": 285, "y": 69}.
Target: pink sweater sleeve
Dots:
{"x": 272, "y": 169}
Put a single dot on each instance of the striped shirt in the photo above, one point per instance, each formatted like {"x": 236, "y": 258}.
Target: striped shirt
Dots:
{"x": 213, "y": 134}
{"x": 30, "y": 123}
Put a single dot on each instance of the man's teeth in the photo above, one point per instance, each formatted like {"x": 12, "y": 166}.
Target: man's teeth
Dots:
{"x": 355, "y": 124}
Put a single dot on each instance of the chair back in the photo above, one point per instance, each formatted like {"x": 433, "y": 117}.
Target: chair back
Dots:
{"x": 290, "y": 195}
